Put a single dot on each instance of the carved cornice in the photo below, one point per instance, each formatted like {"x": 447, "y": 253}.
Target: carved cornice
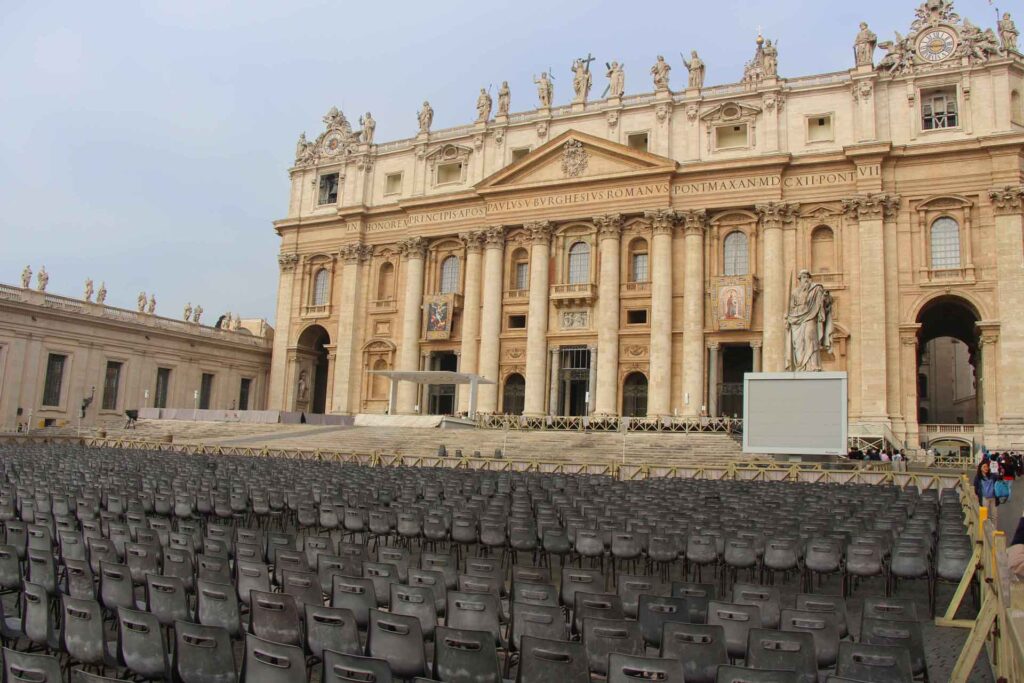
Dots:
{"x": 494, "y": 237}
{"x": 1007, "y": 200}
{"x": 609, "y": 226}
{"x": 472, "y": 241}
{"x": 413, "y": 247}
{"x": 694, "y": 222}
{"x": 540, "y": 232}
{"x": 287, "y": 262}
{"x": 774, "y": 214}
{"x": 663, "y": 221}
{"x": 872, "y": 207}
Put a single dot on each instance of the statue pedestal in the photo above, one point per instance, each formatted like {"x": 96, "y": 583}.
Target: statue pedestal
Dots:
{"x": 615, "y": 101}
{"x": 865, "y": 69}
{"x": 544, "y": 112}
{"x": 795, "y": 413}
{"x": 578, "y": 107}
{"x": 693, "y": 92}
{"x": 480, "y": 124}
{"x": 501, "y": 118}
{"x": 662, "y": 95}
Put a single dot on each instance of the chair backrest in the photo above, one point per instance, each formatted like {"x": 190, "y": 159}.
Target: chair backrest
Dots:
{"x": 595, "y": 605}
{"x": 736, "y": 620}
{"x": 812, "y": 602}
{"x": 217, "y": 605}
{"x": 474, "y": 612}
{"x": 435, "y": 581}
{"x": 303, "y": 586}
{"x": 465, "y": 655}
{"x": 251, "y": 576}
{"x": 140, "y": 643}
{"x": 783, "y": 651}
{"x": 415, "y": 601}
{"x": 82, "y": 633}
{"x": 899, "y": 609}
{"x": 35, "y": 615}
{"x": 740, "y": 674}
{"x": 538, "y": 621}
{"x": 630, "y": 587}
{"x": 356, "y": 594}
{"x": 583, "y": 580}
{"x": 699, "y": 647}
{"x": 266, "y": 661}
{"x": 202, "y": 654}
{"x": 824, "y": 628}
{"x": 765, "y": 597}
{"x": 601, "y": 637}
{"x": 23, "y": 667}
{"x": 535, "y": 593}
{"x": 698, "y": 595}
{"x": 275, "y": 617}
{"x": 397, "y": 639}
{"x": 331, "y": 628}
{"x": 624, "y": 668}
{"x": 347, "y": 668}
{"x": 881, "y": 663}
{"x": 654, "y": 611}
{"x": 382, "y": 574}
{"x": 543, "y": 661}
{"x": 167, "y": 599}
{"x": 79, "y": 581}
{"x": 902, "y": 633}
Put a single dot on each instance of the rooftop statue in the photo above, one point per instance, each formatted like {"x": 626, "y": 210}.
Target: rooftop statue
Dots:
{"x": 483, "y": 106}
{"x": 545, "y": 89}
{"x": 504, "y": 99}
{"x": 660, "y": 72}
{"x": 864, "y": 46}
{"x": 696, "y": 68}
{"x": 425, "y": 116}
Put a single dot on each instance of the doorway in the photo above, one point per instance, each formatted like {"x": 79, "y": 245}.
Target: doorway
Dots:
{"x": 314, "y": 341}
{"x": 574, "y": 380}
{"x": 634, "y": 395}
{"x": 441, "y": 397}
{"x": 736, "y": 361}
{"x": 949, "y": 364}
{"x": 513, "y": 397}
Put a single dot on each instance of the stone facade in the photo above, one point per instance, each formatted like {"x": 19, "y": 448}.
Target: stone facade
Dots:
{"x": 634, "y": 255}
{"x": 56, "y": 352}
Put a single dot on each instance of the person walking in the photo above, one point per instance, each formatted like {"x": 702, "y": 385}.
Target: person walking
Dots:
{"x": 985, "y": 488}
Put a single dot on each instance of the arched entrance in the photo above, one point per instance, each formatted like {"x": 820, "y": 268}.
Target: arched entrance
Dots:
{"x": 312, "y": 345}
{"x": 948, "y": 363}
{"x": 634, "y": 395}
{"x": 514, "y": 394}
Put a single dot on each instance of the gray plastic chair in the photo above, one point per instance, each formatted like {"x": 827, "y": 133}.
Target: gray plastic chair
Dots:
{"x": 699, "y": 647}
{"x": 461, "y": 655}
{"x": 624, "y": 668}
{"x": 783, "y": 651}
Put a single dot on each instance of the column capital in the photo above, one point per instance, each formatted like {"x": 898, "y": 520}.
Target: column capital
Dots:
{"x": 694, "y": 222}
{"x": 1007, "y": 201}
{"x": 355, "y": 253}
{"x": 713, "y": 346}
{"x": 494, "y": 237}
{"x": 540, "y": 232}
{"x": 413, "y": 248}
{"x": 609, "y": 226}
{"x": 472, "y": 241}
{"x": 755, "y": 344}
{"x": 663, "y": 221}
{"x": 872, "y": 206}
{"x": 988, "y": 331}
{"x": 774, "y": 214}
{"x": 287, "y": 262}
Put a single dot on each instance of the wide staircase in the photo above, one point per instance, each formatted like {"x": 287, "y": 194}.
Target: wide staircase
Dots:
{"x": 546, "y": 446}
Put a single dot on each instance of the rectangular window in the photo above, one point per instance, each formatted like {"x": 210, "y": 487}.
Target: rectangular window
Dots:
{"x": 517, "y": 322}
{"x": 637, "y": 141}
{"x": 243, "y": 394}
{"x": 54, "y": 379}
{"x": 636, "y": 316}
{"x": 111, "y": 385}
{"x": 639, "y": 268}
{"x": 205, "y": 391}
{"x": 819, "y": 128}
{"x": 163, "y": 383}
{"x": 328, "y": 189}
{"x": 522, "y": 275}
{"x": 938, "y": 109}
{"x": 519, "y": 153}
{"x": 393, "y": 183}
{"x": 449, "y": 173}
{"x": 727, "y": 137}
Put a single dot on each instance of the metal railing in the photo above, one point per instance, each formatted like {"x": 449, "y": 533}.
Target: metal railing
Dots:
{"x": 611, "y": 423}
{"x": 949, "y": 428}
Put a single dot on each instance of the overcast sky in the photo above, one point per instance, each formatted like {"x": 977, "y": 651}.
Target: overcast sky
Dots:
{"x": 146, "y": 143}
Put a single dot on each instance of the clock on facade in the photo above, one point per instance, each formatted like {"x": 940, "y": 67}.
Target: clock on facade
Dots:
{"x": 936, "y": 45}
{"x": 333, "y": 144}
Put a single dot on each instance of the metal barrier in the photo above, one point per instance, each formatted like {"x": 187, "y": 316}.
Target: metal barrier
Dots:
{"x": 612, "y": 423}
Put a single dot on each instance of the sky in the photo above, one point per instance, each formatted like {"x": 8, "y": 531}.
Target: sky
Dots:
{"x": 145, "y": 144}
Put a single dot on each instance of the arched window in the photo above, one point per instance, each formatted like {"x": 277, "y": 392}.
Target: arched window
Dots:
{"x": 379, "y": 383}
{"x": 320, "y": 287}
{"x": 945, "y": 243}
{"x": 450, "y": 275}
{"x": 579, "y": 263}
{"x": 737, "y": 256}
{"x": 520, "y": 270}
{"x": 638, "y": 261}
{"x": 823, "y": 253}
{"x": 386, "y": 282}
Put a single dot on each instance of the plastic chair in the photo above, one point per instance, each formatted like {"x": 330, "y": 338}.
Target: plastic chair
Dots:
{"x": 697, "y": 595}
{"x": 331, "y": 628}
{"x": 736, "y": 621}
{"x": 433, "y": 580}
{"x": 813, "y": 602}
{"x": 266, "y": 661}
{"x": 398, "y": 640}
{"x": 82, "y": 635}
{"x": 824, "y": 628}
{"x": 653, "y": 612}
{"x": 630, "y": 587}
{"x": 899, "y": 633}
{"x": 347, "y": 668}
{"x": 36, "y": 621}
{"x": 275, "y": 617}
{"x": 544, "y": 661}
{"x": 624, "y": 668}
{"x": 583, "y": 580}
{"x": 474, "y": 612}
{"x": 878, "y": 663}
{"x": 700, "y": 649}
{"x": 768, "y": 599}
{"x": 202, "y": 654}
{"x": 602, "y": 637}
{"x": 251, "y": 576}
{"x": 303, "y": 586}
{"x": 783, "y": 651}
{"x": 140, "y": 644}
{"x": 79, "y": 581}
{"x": 382, "y": 575}
{"x": 415, "y": 601}
{"x": 167, "y": 599}
{"x": 217, "y": 606}
{"x": 461, "y": 655}
{"x": 22, "y": 667}
{"x": 355, "y": 594}
{"x": 739, "y": 674}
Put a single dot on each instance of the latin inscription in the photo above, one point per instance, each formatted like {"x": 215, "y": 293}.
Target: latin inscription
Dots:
{"x": 572, "y": 198}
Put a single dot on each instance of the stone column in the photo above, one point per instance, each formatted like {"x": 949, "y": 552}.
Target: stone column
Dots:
{"x": 870, "y": 211}
{"x": 537, "y": 318}
{"x": 278, "y": 394}
{"x": 352, "y": 256}
{"x": 609, "y": 231}
{"x": 774, "y": 303}
{"x": 694, "y": 224}
{"x": 908, "y": 381}
{"x": 659, "y": 403}
{"x": 470, "y": 347}
{"x": 414, "y": 251}
{"x": 490, "y": 317}
{"x": 755, "y": 347}
{"x": 1007, "y": 206}
{"x": 553, "y": 407}
{"x": 713, "y": 380}
{"x": 989, "y": 408}
{"x": 592, "y": 379}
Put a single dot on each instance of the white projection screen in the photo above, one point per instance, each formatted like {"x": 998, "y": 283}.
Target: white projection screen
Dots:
{"x": 798, "y": 413}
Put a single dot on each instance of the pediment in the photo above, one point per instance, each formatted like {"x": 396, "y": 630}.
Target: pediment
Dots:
{"x": 572, "y": 157}
{"x": 731, "y": 111}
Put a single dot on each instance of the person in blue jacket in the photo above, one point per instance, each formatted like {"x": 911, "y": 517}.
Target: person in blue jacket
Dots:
{"x": 985, "y": 488}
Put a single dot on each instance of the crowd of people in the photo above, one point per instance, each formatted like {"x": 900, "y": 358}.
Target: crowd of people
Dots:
{"x": 898, "y": 458}
{"x": 993, "y": 480}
